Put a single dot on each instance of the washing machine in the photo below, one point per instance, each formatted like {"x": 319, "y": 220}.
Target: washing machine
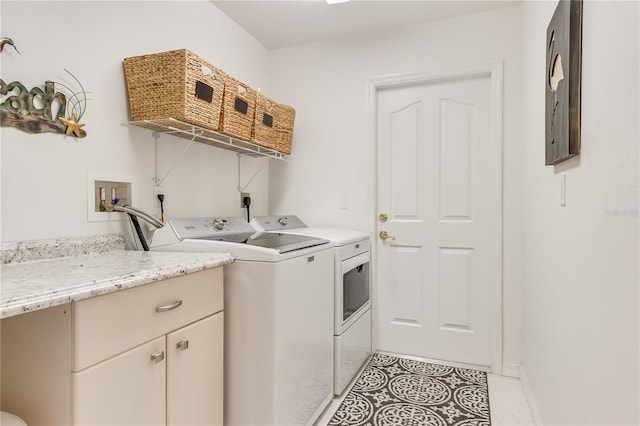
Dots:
{"x": 352, "y": 304}
{"x": 278, "y": 318}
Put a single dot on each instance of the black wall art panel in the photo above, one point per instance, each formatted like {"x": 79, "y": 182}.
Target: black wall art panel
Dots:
{"x": 563, "y": 81}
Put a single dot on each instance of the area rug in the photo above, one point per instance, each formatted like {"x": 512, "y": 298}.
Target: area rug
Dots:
{"x": 399, "y": 391}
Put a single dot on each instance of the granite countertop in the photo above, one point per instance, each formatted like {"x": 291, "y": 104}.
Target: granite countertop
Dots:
{"x": 40, "y": 284}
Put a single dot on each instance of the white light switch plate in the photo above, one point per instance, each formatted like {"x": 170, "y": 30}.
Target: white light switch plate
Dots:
{"x": 563, "y": 190}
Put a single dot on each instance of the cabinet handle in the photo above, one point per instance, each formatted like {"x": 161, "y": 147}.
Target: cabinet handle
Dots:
{"x": 182, "y": 345}
{"x": 157, "y": 356}
{"x": 169, "y": 307}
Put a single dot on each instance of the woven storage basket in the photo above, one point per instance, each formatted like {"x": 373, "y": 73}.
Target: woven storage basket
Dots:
{"x": 238, "y": 109}
{"x": 284, "y": 128}
{"x": 264, "y": 131}
{"x": 176, "y": 84}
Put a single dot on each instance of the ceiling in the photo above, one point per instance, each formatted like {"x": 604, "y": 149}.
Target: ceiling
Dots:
{"x": 284, "y": 23}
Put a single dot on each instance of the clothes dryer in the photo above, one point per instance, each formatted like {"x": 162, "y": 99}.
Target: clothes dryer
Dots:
{"x": 352, "y": 304}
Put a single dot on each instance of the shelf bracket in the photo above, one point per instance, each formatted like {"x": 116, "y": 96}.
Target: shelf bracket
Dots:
{"x": 242, "y": 188}
{"x": 158, "y": 181}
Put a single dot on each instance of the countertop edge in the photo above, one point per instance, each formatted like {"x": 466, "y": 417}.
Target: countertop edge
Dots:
{"x": 90, "y": 289}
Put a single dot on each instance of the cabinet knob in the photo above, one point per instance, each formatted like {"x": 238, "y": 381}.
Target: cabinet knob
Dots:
{"x": 157, "y": 356}
{"x": 182, "y": 345}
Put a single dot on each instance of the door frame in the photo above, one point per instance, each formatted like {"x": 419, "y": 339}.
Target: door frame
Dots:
{"x": 493, "y": 70}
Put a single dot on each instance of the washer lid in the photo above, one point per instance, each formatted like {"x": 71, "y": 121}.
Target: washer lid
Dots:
{"x": 284, "y": 243}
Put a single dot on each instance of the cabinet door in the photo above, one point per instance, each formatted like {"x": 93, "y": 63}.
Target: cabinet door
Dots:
{"x": 195, "y": 373}
{"x": 128, "y": 389}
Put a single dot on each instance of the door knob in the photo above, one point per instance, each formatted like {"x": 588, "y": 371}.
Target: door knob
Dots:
{"x": 385, "y": 235}
{"x": 382, "y": 217}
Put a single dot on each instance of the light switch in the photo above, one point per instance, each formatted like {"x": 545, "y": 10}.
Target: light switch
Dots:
{"x": 342, "y": 204}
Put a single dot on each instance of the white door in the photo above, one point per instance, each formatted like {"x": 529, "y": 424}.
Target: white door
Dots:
{"x": 439, "y": 183}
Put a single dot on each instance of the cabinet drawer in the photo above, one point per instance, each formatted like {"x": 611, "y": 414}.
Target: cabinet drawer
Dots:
{"x": 107, "y": 325}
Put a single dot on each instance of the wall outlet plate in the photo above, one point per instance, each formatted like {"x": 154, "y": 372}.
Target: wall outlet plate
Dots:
{"x": 242, "y": 195}
{"x": 157, "y": 190}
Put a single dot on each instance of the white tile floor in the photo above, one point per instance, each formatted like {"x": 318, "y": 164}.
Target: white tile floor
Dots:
{"x": 507, "y": 403}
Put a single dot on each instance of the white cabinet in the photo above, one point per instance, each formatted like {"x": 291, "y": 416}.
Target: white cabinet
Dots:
{"x": 130, "y": 388}
{"x": 195, "y": 373}
{"x": 126, "y": 389}
{"x": 149, "y": 355}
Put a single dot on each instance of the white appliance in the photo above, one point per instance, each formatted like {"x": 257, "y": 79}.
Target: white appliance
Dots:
{"x": 352, "y": 306}
{"x": 278, "y": 318}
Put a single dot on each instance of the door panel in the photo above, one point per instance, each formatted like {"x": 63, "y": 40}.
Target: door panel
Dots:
{"x": 195, "y": 373}
{"x": 128, "y": 389}
{"x": 455, "y": 277}
{"x": 456, "y": 124}
{"x": 439, "y": 183}
{"x": 404, "y": 177}
{"x": 406, "y": 289}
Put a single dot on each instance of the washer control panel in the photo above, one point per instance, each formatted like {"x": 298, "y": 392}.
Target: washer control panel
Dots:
{"x": 235, "y": 229}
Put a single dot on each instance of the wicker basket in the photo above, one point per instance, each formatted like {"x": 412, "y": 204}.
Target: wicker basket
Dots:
{"x": 238, "y": 109}
{"x": 176, "y": 84}
{"x": 273, "y": 125}
{"x": 284, "y": 128}
{"x": 264, "y": 127}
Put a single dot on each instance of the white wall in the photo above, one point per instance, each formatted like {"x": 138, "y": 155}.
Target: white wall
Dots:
{"x": 333, "y": 150}
{"x": 44, "y": 176}
{"x": 579, "y": 263}
{"x": 580, "y": 350}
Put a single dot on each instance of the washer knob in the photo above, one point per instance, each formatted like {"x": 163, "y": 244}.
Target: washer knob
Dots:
{"x": 219, "y": 225}
{"x": 283, "y": 221}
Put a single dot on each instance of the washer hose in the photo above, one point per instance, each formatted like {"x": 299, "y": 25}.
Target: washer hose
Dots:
{"x": 141, "y": 237}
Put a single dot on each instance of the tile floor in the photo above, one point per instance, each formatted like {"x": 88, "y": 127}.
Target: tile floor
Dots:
{"x": 506, "y": 401}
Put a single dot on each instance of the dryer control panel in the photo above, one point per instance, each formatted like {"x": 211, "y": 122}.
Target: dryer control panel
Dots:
{"x": 277, "y": 223}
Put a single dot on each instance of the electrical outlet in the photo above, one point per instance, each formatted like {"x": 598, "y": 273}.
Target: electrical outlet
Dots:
{"x": 242, "y": 195}
{"x": 157, "y": 189}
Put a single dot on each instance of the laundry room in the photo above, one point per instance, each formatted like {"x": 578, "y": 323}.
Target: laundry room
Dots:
{"x": 532, "y": 267}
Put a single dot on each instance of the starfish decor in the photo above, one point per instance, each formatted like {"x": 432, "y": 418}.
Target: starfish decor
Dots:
{"x": 72, "y": 125}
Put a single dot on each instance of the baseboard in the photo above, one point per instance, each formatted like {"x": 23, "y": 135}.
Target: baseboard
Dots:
{"x": 528, "y": 394}
{"x": 511, "y": 369}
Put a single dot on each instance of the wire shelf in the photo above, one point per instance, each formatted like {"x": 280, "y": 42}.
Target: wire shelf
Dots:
{"x": 183, "y": 130}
